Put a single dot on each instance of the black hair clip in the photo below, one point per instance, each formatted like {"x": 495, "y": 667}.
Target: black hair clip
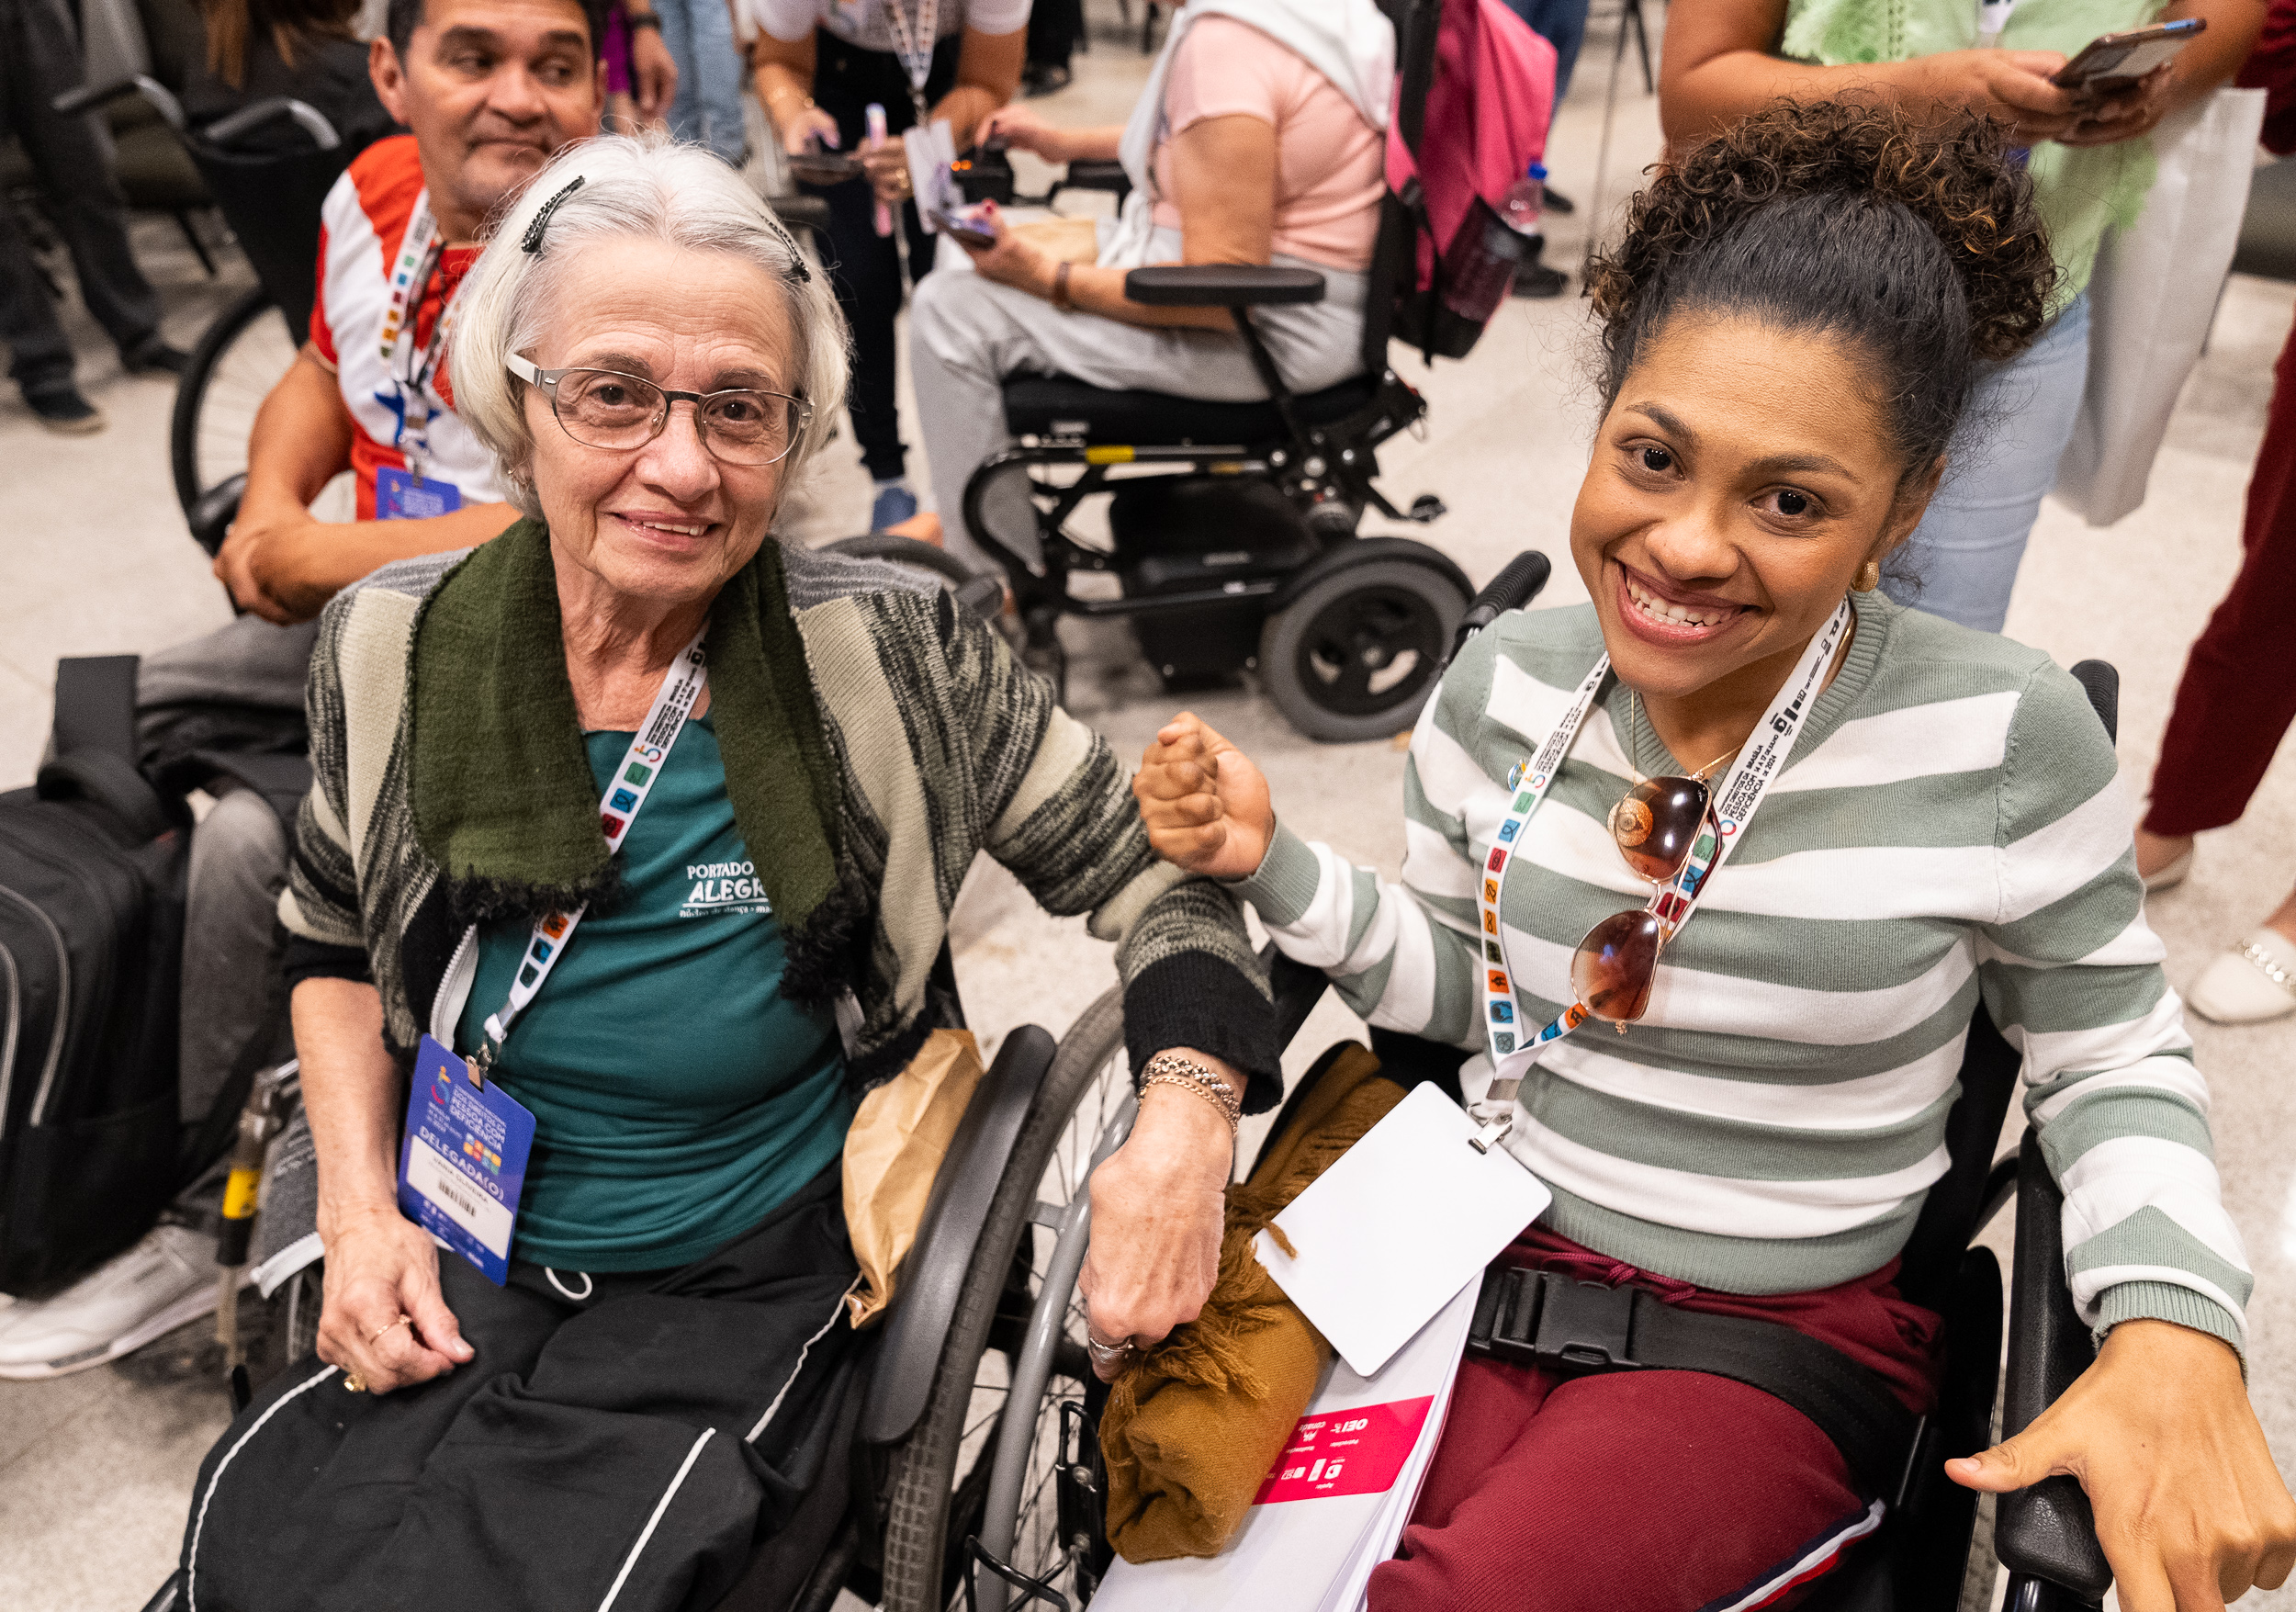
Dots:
{"x": 533, "y": 241}
{"x": 797, "y": 258}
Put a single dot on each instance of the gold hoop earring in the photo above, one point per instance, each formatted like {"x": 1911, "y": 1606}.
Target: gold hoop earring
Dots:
{"x": 1869, "y": 577}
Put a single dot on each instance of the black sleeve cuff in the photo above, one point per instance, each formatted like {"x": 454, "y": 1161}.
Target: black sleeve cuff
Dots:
{"x": 311, "y": 960}
{"x": 1190, "y": 1000}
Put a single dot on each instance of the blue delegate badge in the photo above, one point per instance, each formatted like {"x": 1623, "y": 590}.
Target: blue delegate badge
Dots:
{"x": 462, "y": 1164}
{"x": 399, "y": 497}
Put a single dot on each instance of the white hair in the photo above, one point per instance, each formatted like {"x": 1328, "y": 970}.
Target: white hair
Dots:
{"x": 617, "y": 187}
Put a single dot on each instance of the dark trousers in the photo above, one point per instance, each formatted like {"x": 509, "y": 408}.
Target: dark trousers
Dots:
{"x": 683, "y": 1432}
{"x": 866, "y": 266}
{"x": 2239, "y": 690}
{"x": 39, "y": 59}
{"x": 1562, "y": 24}
{"x": 1055, "y": 26}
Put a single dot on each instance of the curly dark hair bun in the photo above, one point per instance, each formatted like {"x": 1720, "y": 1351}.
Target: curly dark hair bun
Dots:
{"x": 1914, "y": 238}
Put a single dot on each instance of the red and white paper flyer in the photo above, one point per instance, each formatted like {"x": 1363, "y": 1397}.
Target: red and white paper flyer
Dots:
{"x": 1334, "y": 1503}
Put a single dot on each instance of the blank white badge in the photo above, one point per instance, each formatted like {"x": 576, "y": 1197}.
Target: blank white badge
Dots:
{"x": 1390, "y": 1233}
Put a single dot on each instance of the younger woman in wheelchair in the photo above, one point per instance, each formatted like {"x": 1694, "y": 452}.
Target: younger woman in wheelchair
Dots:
{"x": 1792, "y": 329}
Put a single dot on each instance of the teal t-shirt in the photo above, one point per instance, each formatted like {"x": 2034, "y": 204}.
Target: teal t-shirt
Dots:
{"x": 679, "y": 1097}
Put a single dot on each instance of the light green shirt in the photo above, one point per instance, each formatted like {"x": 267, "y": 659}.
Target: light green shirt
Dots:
{"x": 2082, "y": 191}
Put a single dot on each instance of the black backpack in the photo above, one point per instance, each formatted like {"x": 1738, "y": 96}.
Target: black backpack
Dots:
{"x": 92, "y": 872}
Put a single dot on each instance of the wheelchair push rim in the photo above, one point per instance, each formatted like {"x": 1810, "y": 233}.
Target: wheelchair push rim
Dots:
{"x": 942, "y": 1476}
{"x": 236, "y": 362}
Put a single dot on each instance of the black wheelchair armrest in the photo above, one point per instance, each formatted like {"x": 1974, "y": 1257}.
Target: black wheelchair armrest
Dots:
{"x": 2046, "y": 1530}
{"x": 225, "y": 131}
{"x": 211, "y": 517}
{"x": 89, "y": 97}
{"x": 1222, "y": 284}
{"x": 932, "y": 1275}
{"x": 1093, "y": 174}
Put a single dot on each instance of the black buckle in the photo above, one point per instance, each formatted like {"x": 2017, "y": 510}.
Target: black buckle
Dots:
{"x": 1543, "y": 1318}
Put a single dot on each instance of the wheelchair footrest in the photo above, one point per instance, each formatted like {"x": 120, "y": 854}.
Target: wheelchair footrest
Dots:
{"x": 1544, "y": 1319}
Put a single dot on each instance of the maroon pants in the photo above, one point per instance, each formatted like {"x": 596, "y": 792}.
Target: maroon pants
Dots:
{"x": 1647, "y": 1490}
{"x": 2239, "y": 690}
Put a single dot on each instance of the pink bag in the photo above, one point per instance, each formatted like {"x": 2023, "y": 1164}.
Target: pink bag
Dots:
{"x": 1461, "y": 134}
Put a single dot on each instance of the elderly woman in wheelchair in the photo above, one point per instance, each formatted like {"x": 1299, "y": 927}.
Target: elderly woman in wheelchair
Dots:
{"x": 634, "y": 837}
{"x": 1791, "y": 328}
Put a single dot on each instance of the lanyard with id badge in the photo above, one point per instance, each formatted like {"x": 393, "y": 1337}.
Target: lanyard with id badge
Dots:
{"x": 414, "y": 494}
{"x": 462, "y": 1165}
{"x": 1411, "y": 1213}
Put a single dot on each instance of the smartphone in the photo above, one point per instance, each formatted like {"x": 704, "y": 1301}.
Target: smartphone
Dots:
{"x": 2111, "y": 62}
{"x": 968, "y": 227}
{"x": 818, "y": 166}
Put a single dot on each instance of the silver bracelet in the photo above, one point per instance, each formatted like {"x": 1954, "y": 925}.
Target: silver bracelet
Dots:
{"x": 1172, "y": 1069}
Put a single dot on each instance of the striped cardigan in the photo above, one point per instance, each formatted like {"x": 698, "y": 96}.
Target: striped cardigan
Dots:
{"x": 907, "y": 730}
{"x": 1948, "y": 831}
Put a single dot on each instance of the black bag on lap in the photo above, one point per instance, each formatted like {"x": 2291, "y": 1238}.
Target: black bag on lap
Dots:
{"x": 91, "y": 868}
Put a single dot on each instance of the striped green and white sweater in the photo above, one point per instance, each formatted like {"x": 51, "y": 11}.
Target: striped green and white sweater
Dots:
{"x": 875, "y": 738}
{"x": 1949, "y": 829}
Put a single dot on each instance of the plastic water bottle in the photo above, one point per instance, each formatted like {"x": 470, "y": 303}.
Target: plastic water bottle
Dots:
{"x": 1520, "y": 209}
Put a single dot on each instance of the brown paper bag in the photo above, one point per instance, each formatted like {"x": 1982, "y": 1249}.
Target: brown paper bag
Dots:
{"x": 892, "y": 1154}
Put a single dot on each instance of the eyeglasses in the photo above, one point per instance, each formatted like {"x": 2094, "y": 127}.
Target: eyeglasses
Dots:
{"x": 1656, "y": 825}
{"x": 605, "y": 409}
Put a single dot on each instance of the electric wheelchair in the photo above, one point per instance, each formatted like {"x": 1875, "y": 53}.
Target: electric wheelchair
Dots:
{"x": 975, "y": 1476}
{"x": 1231, "y": 527}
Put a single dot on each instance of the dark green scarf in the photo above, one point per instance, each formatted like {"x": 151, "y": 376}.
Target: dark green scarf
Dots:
{"x": 504, "y": 800}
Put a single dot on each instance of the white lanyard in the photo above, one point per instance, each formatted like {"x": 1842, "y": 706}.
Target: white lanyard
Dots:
{"x": 1993, "y": 15}
{"x": 915, "y": 48}
{"x": 625, "y": 793}
{"x": 1734, "y": 805}
{"x": 409, "y": 367}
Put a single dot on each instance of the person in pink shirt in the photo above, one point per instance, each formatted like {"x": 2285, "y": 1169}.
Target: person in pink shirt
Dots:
{"x": 1259, "y": 139}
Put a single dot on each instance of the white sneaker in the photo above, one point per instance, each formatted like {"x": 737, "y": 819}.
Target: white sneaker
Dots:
{"x": 163, "y": 1281}
{"x": 2251, "y": 983}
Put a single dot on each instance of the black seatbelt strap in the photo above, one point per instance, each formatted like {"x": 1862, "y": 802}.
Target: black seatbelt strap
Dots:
{"x": 1543, "y": 1318}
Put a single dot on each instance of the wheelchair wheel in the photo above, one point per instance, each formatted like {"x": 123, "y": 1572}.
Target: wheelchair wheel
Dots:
{"x": 941, "y": 1477}
{"x": 1356, "y": 654}
{"x": 233, "y": 369}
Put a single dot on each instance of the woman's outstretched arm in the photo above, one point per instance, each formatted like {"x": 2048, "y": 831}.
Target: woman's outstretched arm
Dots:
{"x": 1404, "y": 955}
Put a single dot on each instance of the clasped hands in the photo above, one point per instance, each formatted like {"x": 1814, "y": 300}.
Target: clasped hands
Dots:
{"x": 260, "y": 563}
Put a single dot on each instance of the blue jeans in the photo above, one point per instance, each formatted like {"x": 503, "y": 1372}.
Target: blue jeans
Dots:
{"x": 700, "y": 34}
{"x": 1963, "y": 559}
{"x": 1562, "y": 24}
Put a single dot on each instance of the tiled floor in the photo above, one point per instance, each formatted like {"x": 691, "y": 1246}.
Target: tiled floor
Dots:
{"x": 95, "y": 1470}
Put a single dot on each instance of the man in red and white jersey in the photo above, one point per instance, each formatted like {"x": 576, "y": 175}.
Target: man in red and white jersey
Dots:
{"x": 489, "y": 90}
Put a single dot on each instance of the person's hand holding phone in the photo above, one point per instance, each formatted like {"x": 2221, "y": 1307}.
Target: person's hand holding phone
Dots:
{"x": 2012, "y": 86}
{"x": 888, "y": 169}
{"x": 1000, "y": 253}
{"x": 810, "y": 130}
{"x": 2132, "y": 110}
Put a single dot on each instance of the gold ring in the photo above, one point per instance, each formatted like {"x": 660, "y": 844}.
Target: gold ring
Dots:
{"x": 354, "y": 1383}
{"x": 393, "y": 1326}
